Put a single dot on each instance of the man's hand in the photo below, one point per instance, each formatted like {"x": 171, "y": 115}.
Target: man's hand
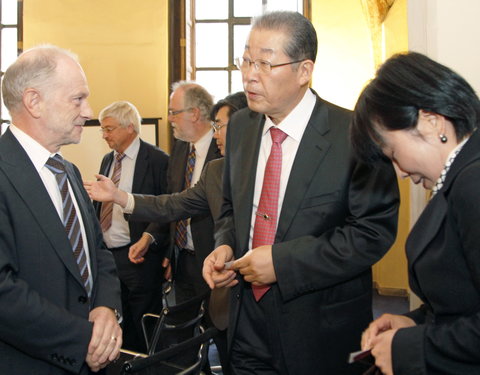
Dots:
{"x": 214, "y": 271}
{"x": 256, "y": 266}
{"x": 106, "y": 341}
{"x": 104, "y": 190}
{"x": 137, "y": 251}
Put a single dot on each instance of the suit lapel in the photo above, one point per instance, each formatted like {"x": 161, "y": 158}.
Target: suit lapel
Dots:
{"x": 249, "y": 138}
{"x": 141, "y": 166}
{"x": 311, "y": 151}
{"x": 26, "y": 181}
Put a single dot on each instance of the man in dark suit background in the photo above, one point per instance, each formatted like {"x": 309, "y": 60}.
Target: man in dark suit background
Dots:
{"x": 58, "y": 287}
{"x": 142, "y": 169}
{"x": 302, "y": 297}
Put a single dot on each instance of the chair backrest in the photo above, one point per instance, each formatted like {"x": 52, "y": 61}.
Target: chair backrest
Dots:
{"x": 170, "y": 361}
{"x": 174, "y": 324}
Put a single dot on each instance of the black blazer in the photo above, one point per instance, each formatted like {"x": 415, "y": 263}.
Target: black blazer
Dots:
{"x": 443, "y": 251}
{"x": 44, "y": 316}
{"x": 338, "y": 218}
{"x": 150, "y": 177}
{"x": 202, "y": 226}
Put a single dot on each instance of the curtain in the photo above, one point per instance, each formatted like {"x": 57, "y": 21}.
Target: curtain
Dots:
{"x": 375, "y": 12}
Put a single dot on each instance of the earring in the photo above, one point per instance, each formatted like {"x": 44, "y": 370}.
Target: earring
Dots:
{"x": 443, "y": 138}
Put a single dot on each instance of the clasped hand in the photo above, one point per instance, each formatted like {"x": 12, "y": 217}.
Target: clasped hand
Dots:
{"x": 256, "y": 266}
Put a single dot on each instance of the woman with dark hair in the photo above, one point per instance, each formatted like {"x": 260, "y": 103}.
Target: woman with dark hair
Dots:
{"x": 423, "y": 117}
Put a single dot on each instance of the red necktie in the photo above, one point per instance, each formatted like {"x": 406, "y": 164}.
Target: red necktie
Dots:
{"x": 267, "y": 212}
{"x": 106, "y": 212}
{"x": 181, "y": 227}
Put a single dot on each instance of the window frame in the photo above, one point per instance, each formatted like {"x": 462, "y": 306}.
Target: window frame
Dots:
{"x": 4, "y": 121}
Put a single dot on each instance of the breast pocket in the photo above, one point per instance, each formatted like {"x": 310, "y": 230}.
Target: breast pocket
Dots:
{"x": 321, "y": 200}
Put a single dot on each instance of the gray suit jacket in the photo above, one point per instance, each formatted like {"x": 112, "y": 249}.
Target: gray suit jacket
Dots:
{"x": 44, "y": 316}
{"x": 205, "y": 197}
{"x": 338, "y": 218}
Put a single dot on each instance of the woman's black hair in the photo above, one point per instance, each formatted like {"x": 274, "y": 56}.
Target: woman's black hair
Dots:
{"x": 234, "y": 102}
{"x": 405, "y": 84}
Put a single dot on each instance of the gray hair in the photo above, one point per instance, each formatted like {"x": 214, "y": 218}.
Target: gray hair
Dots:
{"x": 195, "y": 96}
{"x": 124, "y": 112}
{"x": 34, "y": 68}
{"x": 302, "y": 43}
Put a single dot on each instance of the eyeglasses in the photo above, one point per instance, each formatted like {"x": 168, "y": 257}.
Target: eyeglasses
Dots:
{"x": 217, "y": 125}
{"x": 171, "y": 112}
{"x": 262, "y": 66}
{"x": 108, "y": 130}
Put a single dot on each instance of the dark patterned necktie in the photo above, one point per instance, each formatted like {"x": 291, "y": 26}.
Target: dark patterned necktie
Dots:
{"x": 70, "y": 219}
{"x": 181, "y": 227}
{"x": 106, "y": 213}
{"x": 267, "y": 212}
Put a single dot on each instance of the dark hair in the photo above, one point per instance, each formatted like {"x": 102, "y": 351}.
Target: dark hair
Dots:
{"x": 405, "y": 84}
{"x": 234, "y": 102}
{"x": 302, "y": 43}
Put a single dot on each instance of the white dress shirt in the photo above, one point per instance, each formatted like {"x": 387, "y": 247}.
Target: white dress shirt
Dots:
{"x": 201, "y": 151}
{"x": 294, "y": 126}
{"x": 119, "y": 233}
{"x": 39, "y": 156}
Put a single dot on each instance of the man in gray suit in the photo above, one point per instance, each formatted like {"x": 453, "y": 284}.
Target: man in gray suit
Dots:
{"x": 59, "y": 292}
{"x": 314, "y": 218}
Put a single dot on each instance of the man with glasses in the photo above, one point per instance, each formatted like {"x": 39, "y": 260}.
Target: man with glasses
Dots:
{"x": 192, "y": 240}
{"x": 137, "y": 167}
{"x": 302, "y": 220}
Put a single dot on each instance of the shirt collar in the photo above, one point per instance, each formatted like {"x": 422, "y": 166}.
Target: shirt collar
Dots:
{"x": 35, "y": 151}
{"x": 131, "y": 151}
{"x": 296, "y": 121}
{"x": 203, "y": 144}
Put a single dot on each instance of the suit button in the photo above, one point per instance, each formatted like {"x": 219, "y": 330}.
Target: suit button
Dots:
{"x": 82, "y": 299}
{"x": 237, "y": 296}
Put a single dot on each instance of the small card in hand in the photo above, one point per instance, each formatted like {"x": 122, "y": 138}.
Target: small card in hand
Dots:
{"x": 365, "y": 357}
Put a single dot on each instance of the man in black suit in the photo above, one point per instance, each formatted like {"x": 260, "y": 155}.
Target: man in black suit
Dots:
{"x": 300, "y": 300}
{"x": 58, "y": 287}
{"x": 143, "y": 170}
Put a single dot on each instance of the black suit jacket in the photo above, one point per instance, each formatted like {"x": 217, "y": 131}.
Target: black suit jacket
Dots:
{"x": 150, "y": 177}
{"x": 443, "y": 251}
{"x": 338, "y": 218}
{"x": 44, "y": 316}
{"x": 201, "y": 226}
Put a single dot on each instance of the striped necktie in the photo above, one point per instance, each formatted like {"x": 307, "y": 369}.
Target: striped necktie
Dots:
{"x": 106, "y": 213}
{"x": 71, "y": 222}
{"x": 181, "y": 227}
{"x": 266, "y": 216}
